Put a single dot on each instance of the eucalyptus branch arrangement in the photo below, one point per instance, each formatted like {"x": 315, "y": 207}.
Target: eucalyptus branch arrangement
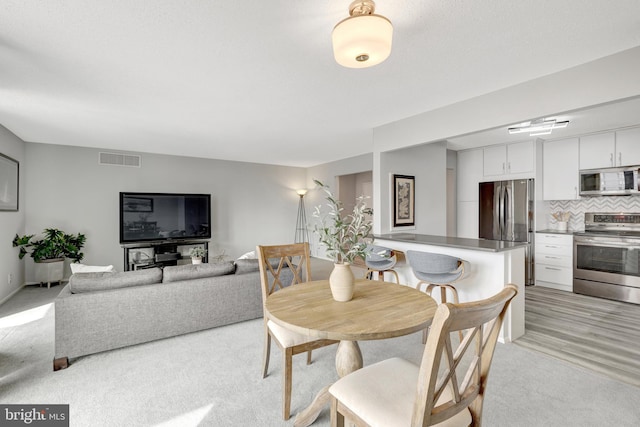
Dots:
{"x": 343, "y": 235}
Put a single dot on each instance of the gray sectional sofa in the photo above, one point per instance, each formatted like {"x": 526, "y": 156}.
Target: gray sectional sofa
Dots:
{"x": 103, "y": 311}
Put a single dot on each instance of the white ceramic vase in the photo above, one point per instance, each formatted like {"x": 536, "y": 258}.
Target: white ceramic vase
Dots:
{"x": 342, "y": 282}
{"x": 196, "y": 260}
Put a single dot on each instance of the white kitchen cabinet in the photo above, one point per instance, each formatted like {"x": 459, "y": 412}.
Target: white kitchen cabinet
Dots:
{"x": 628, "y": 147}
{"x": 554, "y": 261}
{"x": 560, "y": 170}
{"x": 469, "y": 174}
{"x": 509, "y": 159}
{"x": 467, "y": 221}
{"x": 610, "y": 149}
{"x": 597, "y": 151}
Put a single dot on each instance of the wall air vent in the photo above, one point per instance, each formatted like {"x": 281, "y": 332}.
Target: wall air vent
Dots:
{"x": 117, "y": 159}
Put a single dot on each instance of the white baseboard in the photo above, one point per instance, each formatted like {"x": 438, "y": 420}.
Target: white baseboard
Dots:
{"x": 5, "y": 299}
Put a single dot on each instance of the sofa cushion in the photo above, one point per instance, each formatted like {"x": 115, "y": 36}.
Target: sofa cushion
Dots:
{"x": 90, "y": 282}
{"x": 196, "y": 271}
{"x": 246, "y": 265}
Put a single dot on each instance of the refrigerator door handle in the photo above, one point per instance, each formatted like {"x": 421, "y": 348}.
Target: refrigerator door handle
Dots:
{"x": 500, "y": 211}
{"x": 508, "y": 215}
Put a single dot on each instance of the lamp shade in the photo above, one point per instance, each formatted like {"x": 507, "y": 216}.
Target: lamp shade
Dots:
{"x": 362, "y": 40}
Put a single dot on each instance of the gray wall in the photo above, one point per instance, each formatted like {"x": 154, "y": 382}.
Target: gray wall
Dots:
{"x": 428, "y": 163}
{"x": 11, "y": 223}
{"x": 327, "y": 173}
{"x": 67, "y": 188}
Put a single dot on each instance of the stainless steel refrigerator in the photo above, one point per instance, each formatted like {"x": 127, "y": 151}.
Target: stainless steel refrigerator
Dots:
{"x": 506, "y": 214}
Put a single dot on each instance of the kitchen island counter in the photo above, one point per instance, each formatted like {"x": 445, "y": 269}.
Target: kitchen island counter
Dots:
{"x": 452, "y": 242}
{"x": 489, "y": 266}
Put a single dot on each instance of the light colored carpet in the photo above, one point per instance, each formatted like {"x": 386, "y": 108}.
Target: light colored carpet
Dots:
{"x": 213, "y": 378}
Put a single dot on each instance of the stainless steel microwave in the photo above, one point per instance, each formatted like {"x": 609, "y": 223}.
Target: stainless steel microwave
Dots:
{"x": 609, "y": 181}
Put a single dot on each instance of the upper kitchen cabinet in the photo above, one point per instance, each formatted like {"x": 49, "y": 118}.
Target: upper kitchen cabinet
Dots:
{"x": 509, "y": 160}
{"x": 560, "y": 169}
{"x": 469, "y": 174}
{"x": 611, "y": 149}
{"x": 597, "y": 151}
{"x": 628, "y": 147}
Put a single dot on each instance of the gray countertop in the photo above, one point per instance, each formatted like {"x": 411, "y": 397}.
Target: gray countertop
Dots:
{"x": 453, "y": 242}
{"x": 552, "y": 231}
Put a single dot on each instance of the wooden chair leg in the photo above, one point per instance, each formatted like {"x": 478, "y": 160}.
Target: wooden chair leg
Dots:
{"x": 337, "y": 419}
{"x": 267, "y": 352}
{"x": 60, "y": 363}
{"x": 381, "y": 276}
{"x": 456, "y": 300}
{"x": 309, "y": 357}
{"x": 286, "y": 386}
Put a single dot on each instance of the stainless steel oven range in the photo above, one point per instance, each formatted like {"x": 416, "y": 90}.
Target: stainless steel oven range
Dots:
{"x": 606, "y": 257}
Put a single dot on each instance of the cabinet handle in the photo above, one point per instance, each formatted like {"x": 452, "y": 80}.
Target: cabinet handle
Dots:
{"x": 552, "y": 257}
{"x": 509, "y": 167}
{"x": 551, "y": 246}
{"x": 503, "y": 170}
{"x": 553, "y": 268}
{"x": 620, "y": 159}
{"x": 576, "y": 190}
{"x": 611, "y": 159}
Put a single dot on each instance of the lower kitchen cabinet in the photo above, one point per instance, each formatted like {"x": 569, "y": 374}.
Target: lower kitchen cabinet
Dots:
{"x": 554, "y": 261}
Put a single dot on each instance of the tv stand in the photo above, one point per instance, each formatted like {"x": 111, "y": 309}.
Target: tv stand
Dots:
{"x": 142, "y": 255}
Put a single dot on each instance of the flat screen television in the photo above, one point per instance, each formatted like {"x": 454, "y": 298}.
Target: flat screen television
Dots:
{"x": 164, "y": 216}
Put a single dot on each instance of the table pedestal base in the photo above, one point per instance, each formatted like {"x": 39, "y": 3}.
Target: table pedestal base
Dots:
{"x": 348, "y": 359}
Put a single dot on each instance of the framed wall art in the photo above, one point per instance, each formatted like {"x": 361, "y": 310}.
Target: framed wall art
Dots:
{"x": 404, "y": 194}
{"x": 9, "y": 181}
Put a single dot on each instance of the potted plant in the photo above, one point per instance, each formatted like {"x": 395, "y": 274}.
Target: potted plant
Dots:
{"x": 50, "y": 251}
{"x": 197, "y": 253}
{"x": 345, "y": 239}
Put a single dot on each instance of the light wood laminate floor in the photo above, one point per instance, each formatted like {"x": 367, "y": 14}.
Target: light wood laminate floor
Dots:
{"x": 597, "y": 334}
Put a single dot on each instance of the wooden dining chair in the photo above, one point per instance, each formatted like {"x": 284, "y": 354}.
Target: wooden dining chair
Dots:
{"x": 282, "y": 266}
{"x": 380, "y": 394}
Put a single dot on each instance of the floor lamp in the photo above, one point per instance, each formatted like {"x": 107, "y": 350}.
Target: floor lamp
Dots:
{"x": 302, "y": 234}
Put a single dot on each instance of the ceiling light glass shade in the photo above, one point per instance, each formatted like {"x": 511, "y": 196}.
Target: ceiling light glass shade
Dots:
{"x": 362, "y": 40}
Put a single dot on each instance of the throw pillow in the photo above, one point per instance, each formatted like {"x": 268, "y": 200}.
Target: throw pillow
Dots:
{"x": 90, "y": 282}
{"x": 82, "y": 268}
{"x": 176, "y": 273}
{"x": 249, "y": 255}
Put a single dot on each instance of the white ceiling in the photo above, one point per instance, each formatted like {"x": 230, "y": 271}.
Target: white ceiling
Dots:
{"x": 255, "y": 80}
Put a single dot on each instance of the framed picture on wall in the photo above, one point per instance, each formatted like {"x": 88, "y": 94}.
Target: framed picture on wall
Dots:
{"x": 9, "y": 179}
{"x": 404, "y": 207}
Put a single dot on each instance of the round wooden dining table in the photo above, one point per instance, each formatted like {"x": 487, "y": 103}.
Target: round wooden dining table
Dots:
{"x": 378, "y": 310}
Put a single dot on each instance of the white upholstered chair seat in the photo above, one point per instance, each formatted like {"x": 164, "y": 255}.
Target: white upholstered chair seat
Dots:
{"x": 286, "y": 337}
{"x": 382, "y": 394}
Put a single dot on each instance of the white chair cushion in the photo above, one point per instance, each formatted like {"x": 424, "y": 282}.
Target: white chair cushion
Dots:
{"x": 382, "y": 394}
{"x": 285, "y": 337}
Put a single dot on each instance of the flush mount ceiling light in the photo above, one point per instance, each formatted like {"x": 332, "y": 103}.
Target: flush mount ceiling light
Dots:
{"x": 363, "y": 39}
{"x": 538, "y": 127}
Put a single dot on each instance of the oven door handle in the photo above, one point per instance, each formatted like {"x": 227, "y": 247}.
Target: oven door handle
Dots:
{"x": 594, "y": 242}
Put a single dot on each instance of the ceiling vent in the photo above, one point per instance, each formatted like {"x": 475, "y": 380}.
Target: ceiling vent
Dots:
{"x": 117, "y": 159}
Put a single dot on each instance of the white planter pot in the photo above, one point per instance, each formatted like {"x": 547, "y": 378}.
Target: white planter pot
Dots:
{"x": 51, "y": 270}
{"x": 196, "y": 260}
{"x": 342, "y": 282}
